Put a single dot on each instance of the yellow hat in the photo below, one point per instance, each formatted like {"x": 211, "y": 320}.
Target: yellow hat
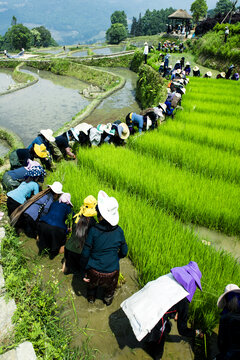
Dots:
{"x": 41, "y": 150}
{"x": 130, "y": 115}
{"x": 88, "y": 208}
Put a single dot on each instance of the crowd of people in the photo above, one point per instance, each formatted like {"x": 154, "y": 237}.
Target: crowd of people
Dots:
{"x": 92, "y": 242}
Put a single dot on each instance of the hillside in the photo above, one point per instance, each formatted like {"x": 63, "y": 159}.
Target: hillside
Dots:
{"x": 74, "y": 21}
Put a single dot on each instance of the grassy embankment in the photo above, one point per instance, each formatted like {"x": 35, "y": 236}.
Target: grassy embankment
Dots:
{"x": 154, "y": 190}
{"x": 37, "y": 318}
{"x": 213, "y": 52}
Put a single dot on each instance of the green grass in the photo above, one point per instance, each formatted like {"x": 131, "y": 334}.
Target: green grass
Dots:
{"x": 157, "y": 242}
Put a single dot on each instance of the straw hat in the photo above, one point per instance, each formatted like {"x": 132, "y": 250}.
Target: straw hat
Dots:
{"x": 223, "y": 74}
{"x": 187, "y": 63}
{"x": 209, "y": 74}
{"x": 178, "y": 71}
{"x": 84, "y": 127}
{"x": 123, "y": 131}
{"x": 65, "y": 198}
{"x": 40, "y": 150}
{"x": 196, "y": 68}
{"x": 56, "y": 187}
{"x": 48, "y": 134}
{"x": 149, "y": 123}
{"x": 108, "y": 208}
{"x": 221, "y": 303}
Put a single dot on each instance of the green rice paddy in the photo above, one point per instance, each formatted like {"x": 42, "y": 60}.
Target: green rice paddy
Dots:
{"x": 186, "y": 171}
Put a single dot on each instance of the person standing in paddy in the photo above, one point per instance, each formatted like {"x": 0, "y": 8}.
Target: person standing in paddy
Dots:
{"x": 104, "y": 246}
{"x": 145, "y": 52}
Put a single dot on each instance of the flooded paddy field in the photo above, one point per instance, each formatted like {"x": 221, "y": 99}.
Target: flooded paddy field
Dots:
{"x": 49, "y": 103}
{"x": 6, "y": 80}
{"x": 120, "y": 103}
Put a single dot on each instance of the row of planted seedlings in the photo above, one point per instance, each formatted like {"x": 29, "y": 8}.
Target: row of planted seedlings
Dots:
{"x": 192, "y": 197}
{"x": 156, "y": 240}
{"x": 184, "y": 154}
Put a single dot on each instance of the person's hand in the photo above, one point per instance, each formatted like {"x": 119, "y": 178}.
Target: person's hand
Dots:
{"x": 85, "y": 279}
{"x": 176, "y": 317}
{"x": 199, "y": 333}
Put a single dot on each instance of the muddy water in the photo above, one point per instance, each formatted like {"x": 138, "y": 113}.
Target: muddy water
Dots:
{"x": 108, "y": 327}
{"x": 4, "y": 148}
{"x": 219, "y": 240}
{"x": 51, "y": 102}
{"x": 5, "y": 79}
{"x": 120, "y": 103}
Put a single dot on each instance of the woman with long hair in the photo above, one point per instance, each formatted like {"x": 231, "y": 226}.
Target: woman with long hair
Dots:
{"x": 82, "y": 222}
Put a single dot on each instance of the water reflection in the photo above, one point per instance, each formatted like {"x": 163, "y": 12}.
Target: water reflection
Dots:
{"x": 47, "y": 104}
{"x": 80, "y": 53}
{"x": 120, "y": 103}
{"x": 5, "y": 79}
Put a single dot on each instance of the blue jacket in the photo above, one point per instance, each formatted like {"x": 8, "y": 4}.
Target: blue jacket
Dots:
{"x": 39, "y": 140}
{"x": 138, "y": 121}
{"x": 104, "y": 246}
{"x": 24, "y": 191}
{"x": 57, "y": 215}
{"x": 45, "y": 201}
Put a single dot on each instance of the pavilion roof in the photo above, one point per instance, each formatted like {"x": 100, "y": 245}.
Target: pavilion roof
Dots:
{"x": 180, "y": 14}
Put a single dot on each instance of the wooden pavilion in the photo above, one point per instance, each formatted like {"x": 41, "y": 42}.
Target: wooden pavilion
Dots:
{"x": 179, "y": 18}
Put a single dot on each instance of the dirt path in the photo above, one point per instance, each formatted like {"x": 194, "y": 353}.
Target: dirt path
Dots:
{"x": 108, "y": 327}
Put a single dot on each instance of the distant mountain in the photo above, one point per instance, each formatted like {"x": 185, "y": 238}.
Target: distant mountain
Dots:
{"x": 76, "y": 21}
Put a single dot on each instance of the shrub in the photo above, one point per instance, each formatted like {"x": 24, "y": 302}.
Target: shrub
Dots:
{"x": 151, "y": 87}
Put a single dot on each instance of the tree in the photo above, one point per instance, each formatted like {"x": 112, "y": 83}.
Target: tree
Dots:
{"x": 45, "y": 36}
{"x": 14, "y": 21}
{"x": 223, "y": 6}
{"x": 198, "y": 9}
{"x": 133, "y": 27}
{"x": 18, "y": 36}
{"x": 116, "y": 33}
{"x": 36, "y": 38}
{"x": 119, "y": 17}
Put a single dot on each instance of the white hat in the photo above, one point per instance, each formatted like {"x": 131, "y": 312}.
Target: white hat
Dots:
{"x": 163, "y": 106}
{"x": 108, "y": 208}
{"x": 108, "y": 129}
{"x": 56, "y": 187}
{"x": 178, "y": 95}
{"x": 75, "y": 134}
{"x": 66, "y": 199}
{"x": 209, "y": 74}
{"x": 178, "y": 62}
{"x": 183, "y": 90}
{"x": 196, "y": 68}
{"x": 48, "y": 134}
{"x": 223, "y": 74}
{"x": 84, "y": 127}
{"x": 149, "y": 123}
{"x": 178, "y": 71}
{"x": 94, "y": 137}
{"x": 187, "y": 63}
{"x": 162, "y": 63}
{"x": 221, "y": 303}
{"x": 170, "y": 67}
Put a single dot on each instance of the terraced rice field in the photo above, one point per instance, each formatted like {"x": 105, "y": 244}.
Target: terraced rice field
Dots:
{"x": 185, "y": 172}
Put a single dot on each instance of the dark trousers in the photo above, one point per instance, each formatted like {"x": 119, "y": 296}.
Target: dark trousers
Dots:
{"x": 51, "y": 238}
{"x": 145, "y": 58}
{"x": 108, "y": 281}
{"x": 12, "y": 205}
